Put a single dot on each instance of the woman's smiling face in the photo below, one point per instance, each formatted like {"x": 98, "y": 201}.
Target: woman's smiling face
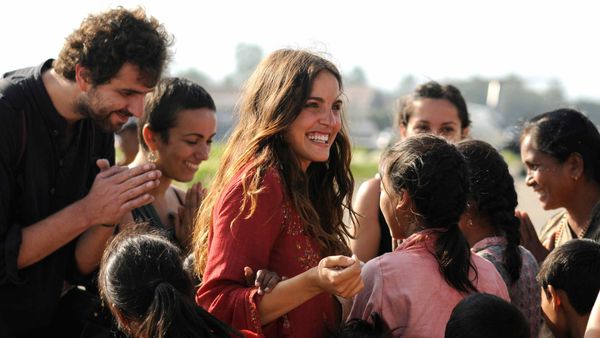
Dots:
{"x": 314, "y": 130}
{"x": 189, "y": 144}
{"x": 548, "y": 177}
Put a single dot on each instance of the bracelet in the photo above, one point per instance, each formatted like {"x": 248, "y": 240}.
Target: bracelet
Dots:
{"x": 109, "y": 225}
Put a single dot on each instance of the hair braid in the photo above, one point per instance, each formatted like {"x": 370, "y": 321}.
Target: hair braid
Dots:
{"x": 493, "y": 191}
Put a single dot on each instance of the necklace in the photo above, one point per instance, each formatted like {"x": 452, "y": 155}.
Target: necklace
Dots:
{"x": 564, "y": 225}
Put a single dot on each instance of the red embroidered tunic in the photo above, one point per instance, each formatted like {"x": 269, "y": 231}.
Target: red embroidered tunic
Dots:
{"x": 273, "y": 239}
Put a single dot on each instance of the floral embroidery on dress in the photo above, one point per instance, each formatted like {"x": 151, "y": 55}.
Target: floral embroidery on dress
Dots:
{"x": 308, "y": 257}
{"x": 294, "y": 225}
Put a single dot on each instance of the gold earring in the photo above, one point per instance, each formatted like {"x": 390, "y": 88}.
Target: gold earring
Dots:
{"x": 152, "y": 156}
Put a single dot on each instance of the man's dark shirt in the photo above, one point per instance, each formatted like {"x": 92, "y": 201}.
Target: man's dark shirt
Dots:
{"x": 49, "y": 176}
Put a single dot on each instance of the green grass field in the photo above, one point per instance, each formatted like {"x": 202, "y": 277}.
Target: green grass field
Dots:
{"x": 364, "y": 164}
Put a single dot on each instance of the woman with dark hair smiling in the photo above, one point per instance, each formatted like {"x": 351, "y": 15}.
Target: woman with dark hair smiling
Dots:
{"x": 176, "y": 131}
{"x": 561, "y": 152}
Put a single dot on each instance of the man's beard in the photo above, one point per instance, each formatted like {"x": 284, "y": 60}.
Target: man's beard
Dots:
{"x": 100, "y": 116}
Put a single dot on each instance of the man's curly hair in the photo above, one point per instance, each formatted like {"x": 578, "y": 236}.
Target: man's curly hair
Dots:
{"x": 106, "y": 41}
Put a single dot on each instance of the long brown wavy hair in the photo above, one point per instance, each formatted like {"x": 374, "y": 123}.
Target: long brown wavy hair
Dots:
{"x": 273, "y": 98}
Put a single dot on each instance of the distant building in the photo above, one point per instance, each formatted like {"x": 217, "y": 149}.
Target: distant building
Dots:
{"x": 485, "y": 126}
{"x": 363, "y": 131}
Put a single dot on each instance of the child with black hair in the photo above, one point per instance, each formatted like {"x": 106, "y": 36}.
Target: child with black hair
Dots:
{"x": 143, "y": 282}
{"x": 570, "y": 282}
{"x": 360, "y": 328}
{"x": 432, "y": 108}
{"x": 492, "y": 230}
{"x": 424, "y": 191}
{"x": 484, "y": 315}
{"x": 593, "y": 327}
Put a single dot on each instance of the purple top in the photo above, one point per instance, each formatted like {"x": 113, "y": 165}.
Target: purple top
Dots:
{"x": 525, "y": 292}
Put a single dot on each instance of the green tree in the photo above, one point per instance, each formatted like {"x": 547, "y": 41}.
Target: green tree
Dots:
{"x": 196, "y": 76}
{"x": 356, "y": 77}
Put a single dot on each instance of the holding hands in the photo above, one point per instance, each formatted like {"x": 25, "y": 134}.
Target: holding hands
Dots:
{"x": 337, "y": 275}
{"x": 340, "y": 275}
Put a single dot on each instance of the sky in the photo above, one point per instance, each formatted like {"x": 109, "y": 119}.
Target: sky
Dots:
{"x": 439, "y": 40}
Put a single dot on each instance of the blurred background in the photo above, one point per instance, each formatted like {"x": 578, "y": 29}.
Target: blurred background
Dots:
{"x": 511, "y": 59}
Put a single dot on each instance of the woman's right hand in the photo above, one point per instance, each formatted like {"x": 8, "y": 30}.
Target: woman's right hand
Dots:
{"x": 340, "y": 275}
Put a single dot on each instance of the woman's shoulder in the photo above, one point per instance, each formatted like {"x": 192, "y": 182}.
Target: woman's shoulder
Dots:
{"x": 272, "y": 176}
{"x": 270, "y": 184}
{"x": 368, "y": 193}
{"x": 551, "y": 225}
{"x": 370, "y": 185}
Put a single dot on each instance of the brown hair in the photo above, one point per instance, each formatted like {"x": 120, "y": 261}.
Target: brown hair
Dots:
{"x": 106, "y": 41}
{"x": 273, "y": 98}
{"x": 433, "y": 90}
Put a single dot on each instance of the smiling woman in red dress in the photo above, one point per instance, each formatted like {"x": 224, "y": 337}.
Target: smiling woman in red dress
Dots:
{"x": 277, "y": 203}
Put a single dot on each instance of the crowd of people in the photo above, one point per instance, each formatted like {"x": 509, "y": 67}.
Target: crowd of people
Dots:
{"x": 276, "y": 246}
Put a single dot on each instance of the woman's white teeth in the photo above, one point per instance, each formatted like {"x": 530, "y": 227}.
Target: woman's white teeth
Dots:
{"x": 192, "y": 165}
{"x": 321, "y": 138}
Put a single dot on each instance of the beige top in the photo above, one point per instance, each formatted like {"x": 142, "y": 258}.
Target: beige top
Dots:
{"x": 560, "y": 225}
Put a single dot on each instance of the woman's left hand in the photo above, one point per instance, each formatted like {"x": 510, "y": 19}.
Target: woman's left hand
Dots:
{"x": 184, "y": 222}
